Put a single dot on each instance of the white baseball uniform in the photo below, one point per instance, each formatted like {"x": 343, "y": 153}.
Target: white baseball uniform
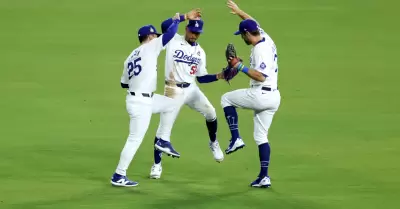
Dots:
{"x": 140, "y": 72}
{"x": 265, "y": 103}
{"x": 186, "y": 62}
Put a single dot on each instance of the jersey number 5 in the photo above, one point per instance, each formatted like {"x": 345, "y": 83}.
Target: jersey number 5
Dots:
{"x": 193, "y": 70}
{"x": 135, "y": 67}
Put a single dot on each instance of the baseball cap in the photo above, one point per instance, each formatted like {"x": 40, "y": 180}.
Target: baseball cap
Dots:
{"x": 195, "y": 26}
{"x": 247, "y": 25}
{"x": 147, "y": 30}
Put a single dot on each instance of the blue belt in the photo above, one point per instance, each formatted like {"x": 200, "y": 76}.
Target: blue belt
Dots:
{"x": 143, "y": 94}
{"x": 267, "y": 88}
{"x": 181, "y": 85}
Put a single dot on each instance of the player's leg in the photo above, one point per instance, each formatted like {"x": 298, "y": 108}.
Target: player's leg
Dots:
{"x": 199, "y": 102}
{"x": 262, "y": 122}
{"x": 167, "y": 120}
{"x": 163, "y": 143}
{"x": 139, "y": 123}
{"x": 161, "y": 104}
{"x": 241, "y": 98}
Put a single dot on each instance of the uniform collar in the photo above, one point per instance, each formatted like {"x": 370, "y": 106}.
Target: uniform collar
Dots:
{"x": 186, "y": 42}
{"x": 262, "y": 40}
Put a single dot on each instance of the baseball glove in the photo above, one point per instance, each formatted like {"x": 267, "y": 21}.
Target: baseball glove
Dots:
{"x": 231, "y": 57}
{"x": 229, "y": 73}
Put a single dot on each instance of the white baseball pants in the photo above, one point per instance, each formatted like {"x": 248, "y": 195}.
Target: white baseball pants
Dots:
{"x": 264, "y": 103}
{"x": 140, "y": 110}
{"x": 195, "y": 99}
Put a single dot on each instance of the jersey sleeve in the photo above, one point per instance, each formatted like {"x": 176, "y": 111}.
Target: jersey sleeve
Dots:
{"x": 202, "y": 68}
{"x": 125, "y": 76}
{"x": 157, "y": 44}
{"x": 263, "y": 60}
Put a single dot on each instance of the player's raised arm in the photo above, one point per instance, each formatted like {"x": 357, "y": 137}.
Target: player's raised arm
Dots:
{"x": 171, "y": 31}
{"x": 191, "y": 15}
{"x": 237, "y": 11}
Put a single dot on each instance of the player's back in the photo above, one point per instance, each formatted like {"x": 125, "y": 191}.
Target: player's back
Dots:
{"x": 141, "y": 68}
{"x": 265, "y": 59}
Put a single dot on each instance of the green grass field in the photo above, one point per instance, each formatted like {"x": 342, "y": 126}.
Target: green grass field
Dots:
{"x": 335, "y": 140}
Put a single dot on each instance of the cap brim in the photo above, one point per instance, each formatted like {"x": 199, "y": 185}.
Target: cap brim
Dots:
{"x": 195, "y": 30}
{"x": 236, "y": 33}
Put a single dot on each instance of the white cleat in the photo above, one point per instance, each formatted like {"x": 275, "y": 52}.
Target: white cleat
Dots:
{"x": 262, "y": 182}
{"x": 216, "y": 151}
{"x": 155, "y": 172}
{"x": 234, "y": 145}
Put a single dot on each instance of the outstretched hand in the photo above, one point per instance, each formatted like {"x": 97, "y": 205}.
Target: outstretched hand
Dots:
{"x": 176, "y": 17}
{"x": 233, "y": 6}
{"x": 195, "y": 14}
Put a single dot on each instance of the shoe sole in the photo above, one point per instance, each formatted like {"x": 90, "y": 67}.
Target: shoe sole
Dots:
{"x": 262, "y": 186}
{"x": 122, "y": 185}
{"x": 154, "y": 177}
{"x": 166, "y": 151}
{"x": 236, "y": 149}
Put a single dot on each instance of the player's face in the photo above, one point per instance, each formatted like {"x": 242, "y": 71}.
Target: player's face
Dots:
{"x": 191, "y": 37}
{"x": 245, "y": 37}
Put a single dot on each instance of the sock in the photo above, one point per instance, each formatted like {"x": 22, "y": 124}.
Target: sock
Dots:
{"x": 232, "y": 120}
{"x": 264, "y": 153}
{"x": 157, "y": 154}
{"x": 212, "y": 129}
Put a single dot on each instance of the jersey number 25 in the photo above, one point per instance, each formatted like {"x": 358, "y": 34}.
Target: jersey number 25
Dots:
{"x": 135, "y": 67}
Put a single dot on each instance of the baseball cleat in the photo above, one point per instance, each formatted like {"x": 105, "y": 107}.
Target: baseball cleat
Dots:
{"x": 234, "y": 145}
{"x": 216, "y": 151}
{"x": 167, "y": 148}
{"x": 122, "y": 181}
{"x": 155, "y": 172}
{"x": 261, "y": 182}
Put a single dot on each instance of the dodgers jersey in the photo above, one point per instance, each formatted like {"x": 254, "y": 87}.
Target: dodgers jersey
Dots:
{"x": 264, "y": 59}
{"x": 185, "y": 61}
{"x": 140, "y": 68}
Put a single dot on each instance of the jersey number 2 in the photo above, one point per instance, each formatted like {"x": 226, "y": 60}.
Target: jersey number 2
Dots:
{"x": 135, "y": 67}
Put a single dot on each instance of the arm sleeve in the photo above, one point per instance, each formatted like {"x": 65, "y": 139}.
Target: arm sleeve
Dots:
{"x": 158, "y": 44}
{"x": 165, "y": 25}
{"x": 207, "y": 78}
{"x": 170, "y": 33}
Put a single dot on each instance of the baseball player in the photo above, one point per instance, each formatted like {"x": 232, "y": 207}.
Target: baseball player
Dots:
{"x": 140, "y": 78}
{"x": 186, "y": 62}
{"x": 263, "y": 96}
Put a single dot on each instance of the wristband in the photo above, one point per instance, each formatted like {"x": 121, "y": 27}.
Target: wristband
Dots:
{"x": 240, "y": 67}
{"x": 245, "y": 69}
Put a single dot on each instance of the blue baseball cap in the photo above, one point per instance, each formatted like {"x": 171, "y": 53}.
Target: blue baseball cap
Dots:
{"x": 195, "y": 26}
{"x": 247, "y": 25}
{"x": 147, "y": 30}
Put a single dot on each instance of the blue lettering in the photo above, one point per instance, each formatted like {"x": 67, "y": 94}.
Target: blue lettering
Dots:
{"x": 182, "y": 57}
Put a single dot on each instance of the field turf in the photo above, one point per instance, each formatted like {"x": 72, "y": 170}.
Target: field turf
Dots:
{"x": 335, "y": 139}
